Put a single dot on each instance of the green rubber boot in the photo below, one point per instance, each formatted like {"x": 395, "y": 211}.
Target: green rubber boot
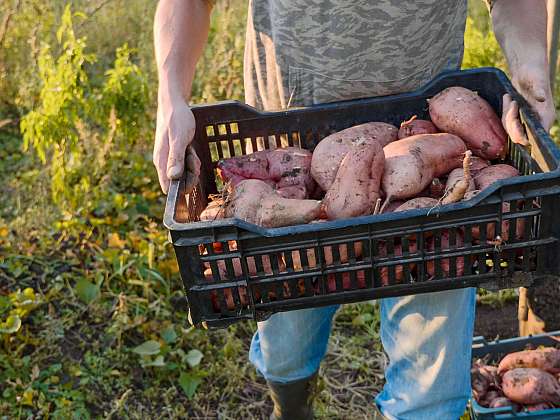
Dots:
{"x": 294, "y": 400}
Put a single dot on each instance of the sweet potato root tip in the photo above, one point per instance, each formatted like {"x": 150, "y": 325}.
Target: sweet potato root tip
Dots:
{"x": 456, "y": 189}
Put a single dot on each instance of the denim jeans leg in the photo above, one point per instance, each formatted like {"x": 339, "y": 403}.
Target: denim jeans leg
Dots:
{"x": 289, "y": 346}
{"x": 428, "y": 340}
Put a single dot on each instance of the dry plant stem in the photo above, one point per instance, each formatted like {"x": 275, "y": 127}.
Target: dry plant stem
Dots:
{"x": 457, "y": 192}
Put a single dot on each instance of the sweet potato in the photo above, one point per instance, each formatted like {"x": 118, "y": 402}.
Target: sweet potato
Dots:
{"x": 418, "y": 203}
{"x": 459, "y": 182}
{"x": 530, "y": 386}
{"x": 491, "y": 174}
{"x": 238, "y": 168}
{"x": 276, "y": 211}
{"x": 399, "y": 268}
{"x": 281, "y": 168}
{"x": 355, "y": 189}
{"x": 415, "y": 126}
{"x": 393, "y": 205}
{"x": 213, "y": 211}
{"x": 446, "y": 262}
{"x": 462, "y": 112}
{"x": 330, "y": 151}
{"x": 477, "y": 164}
{"x": 245, "y": 200}
{"x": 293, "y": 191}
{"x": 547, "y": 359}
{"x": 291, "y": 166}
{"x": 500, "y": 402}
{"x": 412, "y": 163}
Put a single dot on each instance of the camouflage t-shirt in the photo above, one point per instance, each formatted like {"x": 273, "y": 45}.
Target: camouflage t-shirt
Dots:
{"x": 302, "y": 52}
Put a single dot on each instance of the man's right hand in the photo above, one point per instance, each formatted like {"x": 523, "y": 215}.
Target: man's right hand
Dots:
{"x": 174, "y": 133}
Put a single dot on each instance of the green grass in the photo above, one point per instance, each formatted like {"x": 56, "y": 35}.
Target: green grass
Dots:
{"x": 104, "y": 281}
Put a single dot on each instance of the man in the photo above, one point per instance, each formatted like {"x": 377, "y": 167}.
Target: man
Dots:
{"x": 301, "y": 52}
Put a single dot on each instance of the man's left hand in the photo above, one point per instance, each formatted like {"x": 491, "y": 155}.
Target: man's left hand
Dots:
{"x": 532, "y": 83}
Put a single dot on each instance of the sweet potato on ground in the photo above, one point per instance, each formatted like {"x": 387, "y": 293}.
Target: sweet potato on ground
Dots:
{"x": 415, "y": 126}
{"x": 355, "y": 189}
{"x": 330, "y": 151}
{"x": 547, "y": 359}
{"x": 530, "y": 386}
{"x": 462, "y": 112}
{"x": 412, "y": 163}
{"x": 491, "y": 174}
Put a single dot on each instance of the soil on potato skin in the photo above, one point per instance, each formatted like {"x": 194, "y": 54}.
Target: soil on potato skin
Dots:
{"x": 496, "y": 321}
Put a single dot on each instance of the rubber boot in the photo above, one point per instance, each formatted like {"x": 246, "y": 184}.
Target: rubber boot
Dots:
{"x": 294, "y": 400}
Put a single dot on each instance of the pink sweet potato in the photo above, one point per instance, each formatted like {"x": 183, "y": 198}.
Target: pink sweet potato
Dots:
{"x": 477, "y": 164}
{"x": 530, "y": 386}
{"x": 462, "y": 112}
{"x": 330, "y": 151}
{"x": 418, "y": 203}
{"x": 412, "y": 163}
{"x": 547, "y": 359}
{"x": 491, "y": 174}
{"x": 500, "y": 402}
{"x": 245, "y": 200}
{"x": 538, "y": 407}
{"x": 277, "y": 211}
{"x": 284, "y": 168}
{"x": 415, "y": 126}
{"x": 213, "y": 211}
{"x": 446, "y": 262}
{"x": 355, "y": 189}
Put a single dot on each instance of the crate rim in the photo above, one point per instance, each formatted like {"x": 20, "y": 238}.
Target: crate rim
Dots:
{"x": 176, "y": 185}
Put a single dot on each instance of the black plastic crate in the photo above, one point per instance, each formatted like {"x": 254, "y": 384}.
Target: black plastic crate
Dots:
{"x": 257, "y": 271}
{"x": 496, "y": 350}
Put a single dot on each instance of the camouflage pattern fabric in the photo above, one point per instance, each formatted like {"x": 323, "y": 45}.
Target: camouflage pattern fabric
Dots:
{"x": 303, "y": 52}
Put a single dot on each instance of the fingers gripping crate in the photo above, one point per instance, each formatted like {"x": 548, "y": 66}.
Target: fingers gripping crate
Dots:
{"x": 233, "y": 270}
{"x": 494, "y": 351}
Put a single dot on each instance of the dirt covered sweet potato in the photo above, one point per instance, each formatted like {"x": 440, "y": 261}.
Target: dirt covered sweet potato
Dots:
{"x": 418, "y": 203}
{"x": 286, "y": 169}
{"x": 530, "y": 386}
{"x": 330, "y": 151}
{"x": 214, "y": 210}
{"x": 245, "y": 200}
{"x": 412, "y": 163}
{"x": 355, "y": 189}
{"x": 547, "y": 359}
{"x": 415, "y": 126}
{"x": 445, "y": 245}
{"x": 462, "y": 112}
{"x": 277, "y": 211}
{"x": 459, "y": 182}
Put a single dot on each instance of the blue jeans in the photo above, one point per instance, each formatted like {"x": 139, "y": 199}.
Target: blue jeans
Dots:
{"x": 427, "y": 338}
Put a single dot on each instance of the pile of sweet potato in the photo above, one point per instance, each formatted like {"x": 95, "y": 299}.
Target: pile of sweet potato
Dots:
{"x": 527, "y": 380}
{"x": 367, "y": 169}
{"x": 371, "y": 168}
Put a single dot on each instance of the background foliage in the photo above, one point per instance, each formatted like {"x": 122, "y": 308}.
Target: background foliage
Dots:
{"x": 91, "y": 316}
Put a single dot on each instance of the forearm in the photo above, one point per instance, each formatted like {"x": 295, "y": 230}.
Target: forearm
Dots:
{"x": 180, "y": 32}
{"x": 520, "y": 28}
